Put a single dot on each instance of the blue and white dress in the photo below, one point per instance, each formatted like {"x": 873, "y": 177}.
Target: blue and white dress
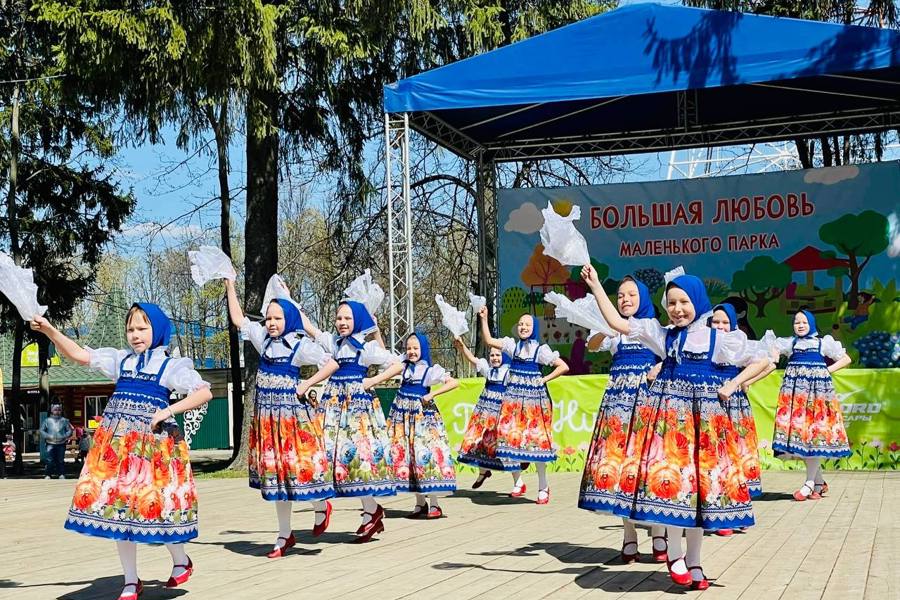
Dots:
{"x": 479, "y": 444}
{"x": 136, "y": 484}
{"x": 808, "y": 419}
{"x": 609, "y": 451}
{"x": 420, "y": 450}
{"x": 355, "y": 431}
{"x": 686, "y": 465}
{"x": 287, "y": 459}
{"x": 525, "y": 429}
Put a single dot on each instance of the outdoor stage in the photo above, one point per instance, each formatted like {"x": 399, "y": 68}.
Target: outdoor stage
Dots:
{"x": 845, "y": 546}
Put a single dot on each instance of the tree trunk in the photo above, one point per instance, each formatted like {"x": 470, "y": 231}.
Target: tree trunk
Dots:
{"x": 12, "y": 219}
{"x": 261, "y": 228}
{"x": 803, "y": 153}
{"x": 827, "y": 159}
{"x": 853, "y": 295}
{"x": 219, "y": 126}
{"x": 43, "y": 343}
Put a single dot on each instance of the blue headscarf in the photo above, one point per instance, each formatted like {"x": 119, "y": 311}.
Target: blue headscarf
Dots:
{"x": 161, "y": 327}
{"x": 645, "y": 300}
{"x": 729, "y": 310}
{"x": 159, "y": 324}
{"x": 363, "y": 323}
{"x": 425, "y": 352}
{"x": 813, "y": 331}
{"x": 292, "y": 319}
{"x": 696, "y": 291}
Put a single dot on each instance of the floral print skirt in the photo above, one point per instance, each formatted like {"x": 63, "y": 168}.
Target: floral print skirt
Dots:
{"x": 420, "y": 450}
{"x": 287, "y": 459}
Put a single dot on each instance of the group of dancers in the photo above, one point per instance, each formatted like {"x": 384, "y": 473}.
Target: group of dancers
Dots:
{"x": 674, "y": 445}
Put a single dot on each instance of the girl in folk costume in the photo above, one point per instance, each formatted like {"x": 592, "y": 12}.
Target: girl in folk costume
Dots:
{"x": 479, "y": 444}
{"x": 287, "y": 460}
{"x": 808, "y": 421}
{"x": 686, "y": 468}
{"x": 136, "y": 485}
{"x": 631, "y": 361}
{"x": 524, "y": 432}
{"x": 724, "y": 318}
{"x": 355, "y": 433}
{"x": 420, "y": 450}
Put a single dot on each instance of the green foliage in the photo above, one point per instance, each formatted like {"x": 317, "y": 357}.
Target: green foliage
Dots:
{"x": 760, "y": 281}
{"x": 602, "y": 271}
{"x": 862, "y": 235}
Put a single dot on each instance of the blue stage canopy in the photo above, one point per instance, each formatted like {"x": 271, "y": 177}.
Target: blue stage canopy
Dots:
{"x": 650, "y": 77}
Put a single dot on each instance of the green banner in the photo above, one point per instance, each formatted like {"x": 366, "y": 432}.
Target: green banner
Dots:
{"x": 870, "y": 400}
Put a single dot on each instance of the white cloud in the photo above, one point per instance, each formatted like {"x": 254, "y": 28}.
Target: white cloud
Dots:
{"x": 831, "y": 175}
{"x": 525, "y": 219}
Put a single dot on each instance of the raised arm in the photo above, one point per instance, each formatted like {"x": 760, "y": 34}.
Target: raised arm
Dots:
{"x": 389, "y": 373}
{"x": 321, "y": 375}
{"x": 839, "y": 363}
{"x": 376, "y": 335}
{"x": 561, "y": 368}
{"x": 486, "y": 336}
{"x": 464, "y": 350}
{"x": 65, "y": 345}
{"x": 311, "y": 330}
{"x": 609, "y": 312}
{"x": 234, "y": 306}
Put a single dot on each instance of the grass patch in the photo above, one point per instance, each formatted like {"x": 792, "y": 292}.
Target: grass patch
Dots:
{"x": 222, "y": 474}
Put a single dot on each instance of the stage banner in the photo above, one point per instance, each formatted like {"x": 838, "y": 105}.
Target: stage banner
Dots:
{"x": 769, "y": 244}
{"x": 869, "y": 398}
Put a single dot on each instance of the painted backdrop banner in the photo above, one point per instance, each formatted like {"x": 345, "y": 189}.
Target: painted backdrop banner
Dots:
{"x": 870, "y": 401}
{"x": 825, "y": 239}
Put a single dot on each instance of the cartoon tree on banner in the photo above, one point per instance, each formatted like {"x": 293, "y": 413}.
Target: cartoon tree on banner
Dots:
{"x": 602, "y": 271}
{"x": 543, "y": 271}
{"x": 761, "y": 281}
{"x": 652, "y": 278}
{"x": 860, "y": 237}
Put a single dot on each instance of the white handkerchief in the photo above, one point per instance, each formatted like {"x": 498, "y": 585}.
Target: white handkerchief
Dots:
{"x": 210, "y": 263}
{"x": 561, "y": 239}
{"x": 364, "y": 290}
{"x": 17, "y": 284}
{"x": 583, "y": 312}
{"x": 452, "y": 318}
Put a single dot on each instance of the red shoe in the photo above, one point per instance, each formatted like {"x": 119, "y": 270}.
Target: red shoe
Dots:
{"x": 630, "y": 558}
{"x": 518, "y": 491}
{"x": 679, "y": 579}
{"x": 375, "y": 525}
{"x": 725, "y": 532}
{"x": 660, "y": 556}
{"x": 435, "y": 513}
{"x": 419, "y": 512}
{"x": 543, "y": 496}
{"x": 815, "y": 496}
{"x": 138, "y": 590}
{"x": 702, "y": 584}
{"x": 320, "y": 529}
{"x": 480, "y": 481}
{"x": 175, "y": 581}
{"x": 799, "y": 496}
{"x": 823, "y": 489}
{"x": 288, "y": 544}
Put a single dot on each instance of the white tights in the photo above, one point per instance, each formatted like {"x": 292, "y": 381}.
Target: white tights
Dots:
{"x": 128, "y": 558}
{"x": 432, "y": 499}
{"x": 691, "y": 558}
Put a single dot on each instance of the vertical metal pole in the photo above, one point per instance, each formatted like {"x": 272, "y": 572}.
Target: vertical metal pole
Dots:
{"x": 388, "y": 147}
{"x": 407, "y": 203}
{"x": 486, "y": 205}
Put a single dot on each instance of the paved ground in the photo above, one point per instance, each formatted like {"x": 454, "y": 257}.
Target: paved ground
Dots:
{"x": 843, "y": 547}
